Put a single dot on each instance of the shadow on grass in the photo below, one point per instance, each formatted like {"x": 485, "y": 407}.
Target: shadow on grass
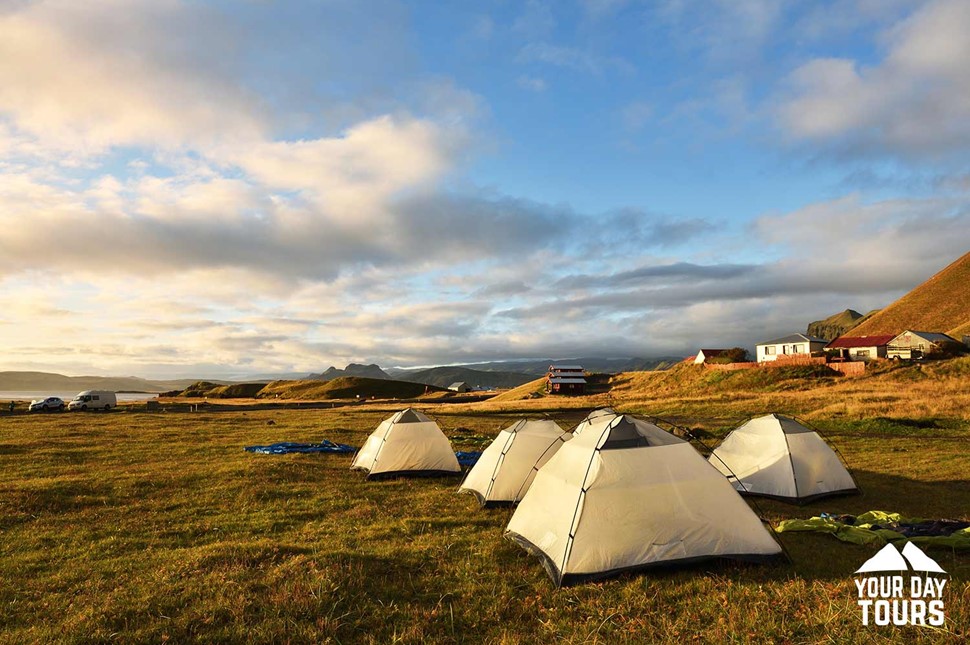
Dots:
{"x": 12, "y": 449}
{"x": 819, "y": 556}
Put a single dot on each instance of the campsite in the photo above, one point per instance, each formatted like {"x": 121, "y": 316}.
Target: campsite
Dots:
{"x": 504, "y": 322}
{"x": 159, "y": 526}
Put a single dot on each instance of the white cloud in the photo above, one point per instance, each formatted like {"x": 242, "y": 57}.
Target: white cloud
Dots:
{"x": 191, "y": 236}
{"x": 879, "y": 240}
{"x": 913, "y": 103}
{"x": 355, "y": 173}
{"x": 87, "y": 76}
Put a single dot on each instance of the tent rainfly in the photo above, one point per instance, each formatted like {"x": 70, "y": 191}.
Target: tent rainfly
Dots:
{"x": 776, "y": 456}
{"x": 407, "y": 443}
{"x": 625, "y": 495}
{"x": 507, "y": 467}
{"x": 593, "y": 417}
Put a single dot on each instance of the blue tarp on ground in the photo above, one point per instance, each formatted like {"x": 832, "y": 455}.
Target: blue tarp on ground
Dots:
{"x": 287, "y": 447}
{"x": 467, "y": 459}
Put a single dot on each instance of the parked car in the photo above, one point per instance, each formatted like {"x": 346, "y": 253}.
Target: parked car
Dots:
{"x": 46, "y": 405}
{"x": 93, "y": 400}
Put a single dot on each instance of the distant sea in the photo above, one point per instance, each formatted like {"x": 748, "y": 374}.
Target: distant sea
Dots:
{"x": 67, "y": 396}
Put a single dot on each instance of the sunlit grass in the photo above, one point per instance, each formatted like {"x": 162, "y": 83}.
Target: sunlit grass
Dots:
{"x": 154, "y": 527}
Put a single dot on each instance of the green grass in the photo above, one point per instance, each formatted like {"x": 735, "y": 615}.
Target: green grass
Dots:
{"x": 136, "y": 527}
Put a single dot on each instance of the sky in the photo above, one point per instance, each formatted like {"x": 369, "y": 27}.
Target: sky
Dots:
{"x": 255, "y": 187}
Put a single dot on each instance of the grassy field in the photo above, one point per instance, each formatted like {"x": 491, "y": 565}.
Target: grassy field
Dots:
{"x": 138, "y": 527}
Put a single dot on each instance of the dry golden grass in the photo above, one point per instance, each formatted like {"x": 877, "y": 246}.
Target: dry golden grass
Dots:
{"x": 524, "y": 391}
{"x": 137, "y": 527}
{"x": 922, "y": 390}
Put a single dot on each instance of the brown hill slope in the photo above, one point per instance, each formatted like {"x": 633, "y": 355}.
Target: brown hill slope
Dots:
{"x": 524, "y": 391}
{"x": 942, "y": 303}
{"x": 346, "y": 387}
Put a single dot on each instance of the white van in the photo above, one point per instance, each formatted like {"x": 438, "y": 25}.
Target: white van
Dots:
{"x": 93, "y": 400}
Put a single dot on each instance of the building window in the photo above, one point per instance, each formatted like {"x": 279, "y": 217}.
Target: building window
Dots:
{"x": 862, "y": 353}
{"x": 770, "y": 350}
{"x": 796, "y": 349}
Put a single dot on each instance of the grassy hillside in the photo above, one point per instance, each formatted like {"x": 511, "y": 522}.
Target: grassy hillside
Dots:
{"x": 931, "y": 390}
{"x": 216, "y": 391}
{"x": 961, "y": 331}
{"x": 692, "y": 380}
{"x": 524, "y": 391}
{"x": 346, "y": 387}
{"x": 836, "y": 325}
{"x": 942, "y": 303}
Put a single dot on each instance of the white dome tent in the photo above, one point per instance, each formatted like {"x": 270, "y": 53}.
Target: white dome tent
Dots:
{"x": 407, "y": 443}
{"x": 508, "y": 465}
{"x": 776, "y": 456}
{"x": 625, "y": 495}
{"x": 593, "y": 417}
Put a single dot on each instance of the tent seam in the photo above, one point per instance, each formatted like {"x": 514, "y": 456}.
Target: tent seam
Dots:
{"x": 571, "y": 535}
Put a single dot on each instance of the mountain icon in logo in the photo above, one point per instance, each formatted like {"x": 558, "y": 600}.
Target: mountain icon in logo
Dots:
{"x": 890, "y": 559}
{"x": 919, "y": 560}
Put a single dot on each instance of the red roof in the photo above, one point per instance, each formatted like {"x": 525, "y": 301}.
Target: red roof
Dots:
{"x": 861, "y": 341}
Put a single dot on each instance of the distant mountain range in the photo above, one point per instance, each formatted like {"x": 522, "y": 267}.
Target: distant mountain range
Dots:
{"x": 39, "y": 381}
{"x": 445, "y": 376}
{"x": 538, "y": 367}
{"x": 353, "y": 369}
{"x": 494, "y": 374}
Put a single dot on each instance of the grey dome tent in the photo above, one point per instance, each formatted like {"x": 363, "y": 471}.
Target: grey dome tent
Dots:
{"x": 776, "y": 456}
{"x": 509, "y": 464}
{"x": 625, "y": 495}
{"x": 407, "y": 443}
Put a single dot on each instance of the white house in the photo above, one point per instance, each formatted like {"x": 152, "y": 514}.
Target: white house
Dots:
{"x": 792, "y": 344}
